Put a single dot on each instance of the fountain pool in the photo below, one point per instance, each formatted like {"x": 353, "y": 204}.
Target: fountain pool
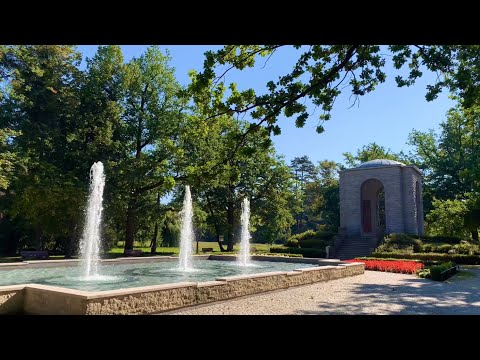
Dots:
{"x": 120, "y": 276}
{"x": 153, "y": 285}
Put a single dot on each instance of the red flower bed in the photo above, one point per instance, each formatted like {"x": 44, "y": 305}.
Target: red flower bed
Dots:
{"x": 397, "y": 266}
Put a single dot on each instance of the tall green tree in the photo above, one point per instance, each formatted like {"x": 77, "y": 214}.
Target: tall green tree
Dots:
{"x": 446, "y": 218}
{"x": 304, "y": 171}
{"x": 253, "y": 172}
{"x": 7, "y": 158}
{"x": 321, "y": 204}
{"x": 153, "y": 120}
{"x": 372, "y": 151}
{"x": 40, "y": 103}
{"x": 450, "y": 160}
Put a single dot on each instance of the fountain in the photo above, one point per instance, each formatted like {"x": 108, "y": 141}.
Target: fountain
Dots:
{"x": 244, "y": 256}
{"x": 186, "y": 233}
{"x": 90, "y": 242}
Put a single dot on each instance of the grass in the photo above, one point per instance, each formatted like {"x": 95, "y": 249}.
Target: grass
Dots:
{"x": 260, "y": 248}
{"x": 117, "y": 251}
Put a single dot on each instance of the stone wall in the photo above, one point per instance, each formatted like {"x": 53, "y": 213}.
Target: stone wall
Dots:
{"x": 42, "y": 299}
{"x": 11, "y": 299}
{"x": 400, "y": 194}
{"x": 53, "y": 300}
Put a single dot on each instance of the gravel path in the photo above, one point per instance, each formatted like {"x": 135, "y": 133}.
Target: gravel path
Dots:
{"x": 370, "y": 293}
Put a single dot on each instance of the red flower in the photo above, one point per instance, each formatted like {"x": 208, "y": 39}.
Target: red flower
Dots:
{"x": 396, "y": 266}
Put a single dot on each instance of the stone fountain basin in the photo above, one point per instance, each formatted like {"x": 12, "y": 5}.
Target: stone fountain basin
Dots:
{"x": 47, "y": 299}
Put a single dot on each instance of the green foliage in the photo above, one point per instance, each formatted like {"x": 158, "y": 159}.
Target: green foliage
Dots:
{"x": 312, "y": 239}
{"x": 317, "y": 197}
{"x": 8, "y": 158}
{"x": 446, "y": 218}
{"x": 441, "y": 272}
{"x": 305, "y": 235}
{"x": 255, "y": 172}
{"x": 457, "y": 258}
{"x": 449, "y": 162}
{"x": 405, "y": 243}
{"x": 292, "y": 243}
{"x": 313, "y": 253}
{"x": 424, "y": 273}
{"x": 57, "y": 119}
{"x": 372, "y": 151}
{"x": 303, "y": 169}
{"x": 436, "y": 248}
{"x": 281, "y": 254}
{"x": 400, "y": 242}
{"x": 322, "y": 73}
{"x": 170, "y": 230}
{"x": 441, "y": 239}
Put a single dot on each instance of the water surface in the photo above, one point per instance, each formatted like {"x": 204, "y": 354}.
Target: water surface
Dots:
{"x": 119, "y": 276}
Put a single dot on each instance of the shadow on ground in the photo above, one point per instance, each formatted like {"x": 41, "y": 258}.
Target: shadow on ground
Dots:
{"x": 456, "y": 296}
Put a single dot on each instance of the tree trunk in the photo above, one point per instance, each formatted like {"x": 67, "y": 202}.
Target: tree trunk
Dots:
{"x": 475, "y": 235}
{"x": 230, "y": 220}
{"x": 38, "y": 238}
{"x": 153, "y": 245}
{"x": 72, "y": 239}
{"x": 220, "y": 244}
{"x": 154, "y": 239}
{"x": 215, "y": 224}
{"x": 130, "y": 229}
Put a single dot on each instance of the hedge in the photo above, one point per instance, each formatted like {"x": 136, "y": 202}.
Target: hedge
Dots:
{"x": 443, "y": 271}
{"x": 279, "y": 254}
{"x": 314, "y": 253}
{"x": 442, "y": 239}
{"x": 310, "y": 234}
{"x": 456, "y": 258}
{"x": 292, "y": 243}
{"x": 314, "y": 243}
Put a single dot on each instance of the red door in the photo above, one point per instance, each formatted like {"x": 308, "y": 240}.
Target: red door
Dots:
{"x": 366, "y": 216}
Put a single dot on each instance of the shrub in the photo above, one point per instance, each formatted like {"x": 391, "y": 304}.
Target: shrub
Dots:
{"x": 404, "y": 242}
{"x": 457, "y": 258}
{"x": 315, "y": 253}
{"x": 396, "y": 266}
{"x": 465, "y": 248}
{"x": 386, "y": 258}
{"x": 441, "y": 239}
{"x": 280, "y": 254}
{"x": 292, "y": 243}
{"x": 311, "y": 239}
{"x": 443, "y": 271}
{"x": 400, "y": 238}
{"x": 441, "y": 249}
{"x": 424, "y": 273}
{"x": 310, "y": 234}
{"x": 305, "y": 235}
{"x": 386, "y": 247}
{"x": 314, "y": 243}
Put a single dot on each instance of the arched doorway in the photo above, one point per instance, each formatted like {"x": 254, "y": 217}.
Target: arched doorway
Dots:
{"x": 372, "y": 207}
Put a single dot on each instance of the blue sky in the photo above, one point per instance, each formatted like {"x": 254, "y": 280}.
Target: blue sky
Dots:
{"x": 385, "y": 116}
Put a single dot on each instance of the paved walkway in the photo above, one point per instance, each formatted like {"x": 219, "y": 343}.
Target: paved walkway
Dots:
{"x": 370, "y": 293}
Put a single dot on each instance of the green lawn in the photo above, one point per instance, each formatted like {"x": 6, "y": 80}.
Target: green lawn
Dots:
{"x": 260, "y": 248}
{"x": 117, "y": 251}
